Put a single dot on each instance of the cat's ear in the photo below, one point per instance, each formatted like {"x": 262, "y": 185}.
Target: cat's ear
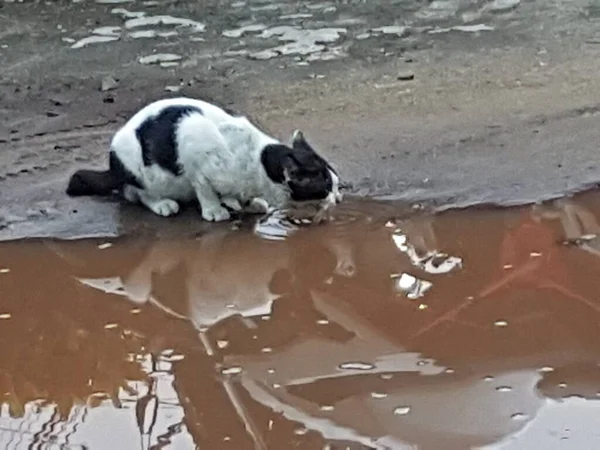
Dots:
{"x": 298, "y": 141}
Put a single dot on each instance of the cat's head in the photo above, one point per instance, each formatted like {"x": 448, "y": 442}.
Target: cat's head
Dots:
{"x": 305, "y": 174}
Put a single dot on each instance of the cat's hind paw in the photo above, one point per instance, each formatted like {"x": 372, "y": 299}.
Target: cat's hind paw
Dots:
{"x": 165, "y": 207}
{"x": 215, "y": 214}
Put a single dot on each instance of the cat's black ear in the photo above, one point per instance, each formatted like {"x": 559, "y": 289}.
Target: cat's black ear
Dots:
{"x": 299, "y": 142}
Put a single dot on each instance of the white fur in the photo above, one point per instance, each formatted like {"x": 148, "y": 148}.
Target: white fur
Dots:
{"x": 220, "y": 156}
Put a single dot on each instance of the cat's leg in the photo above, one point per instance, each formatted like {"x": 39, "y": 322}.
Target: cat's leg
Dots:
{"x": 232, "y": 203}
{"x": 163, "y": 207}
{"x": 210, "y": 204}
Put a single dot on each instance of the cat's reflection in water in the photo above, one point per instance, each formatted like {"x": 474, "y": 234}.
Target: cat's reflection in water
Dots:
{"x": 220, "y": 274}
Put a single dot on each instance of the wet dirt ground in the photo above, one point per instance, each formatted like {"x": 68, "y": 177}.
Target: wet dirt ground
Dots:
{"x": 465, "y": 329}
{"x": 448, "y": 103}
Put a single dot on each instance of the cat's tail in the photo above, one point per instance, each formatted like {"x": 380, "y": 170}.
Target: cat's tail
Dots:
{"x": 93, "y": 182}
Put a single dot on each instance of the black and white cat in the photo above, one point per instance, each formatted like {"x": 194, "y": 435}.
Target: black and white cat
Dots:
{"x": 181, "y": 149}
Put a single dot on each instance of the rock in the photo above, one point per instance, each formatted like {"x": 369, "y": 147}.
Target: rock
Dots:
{"x": 108, "y": 84}
{"x": 405, "y": 75}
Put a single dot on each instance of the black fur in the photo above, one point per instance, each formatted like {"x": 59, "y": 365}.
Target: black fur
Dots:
{"x": 121, "y": 174}
{"x": 308, "y": 177}
{"x": 157, "y": 137}
{"x": 102, "y": 183}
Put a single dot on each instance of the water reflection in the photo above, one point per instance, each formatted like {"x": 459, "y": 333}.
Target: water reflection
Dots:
{"x": 232, "y": 340}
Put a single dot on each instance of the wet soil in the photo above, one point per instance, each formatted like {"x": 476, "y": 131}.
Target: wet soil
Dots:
{"x": 448, "y": 103}
{"x": 381, "y": 329}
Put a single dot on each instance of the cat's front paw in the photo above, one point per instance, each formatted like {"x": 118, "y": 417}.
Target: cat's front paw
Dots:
{"x": 258, "y": 206}
{"x": 165, "y": 208}
{"x": 232, "y": 203}
{"x": 215, "y": 214}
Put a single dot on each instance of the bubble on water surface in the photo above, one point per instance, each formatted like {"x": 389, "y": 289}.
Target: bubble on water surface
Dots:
{"x": 356, "y": 366}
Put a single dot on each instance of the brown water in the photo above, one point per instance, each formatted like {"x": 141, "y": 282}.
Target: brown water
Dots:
{"x": 470, "y": 329}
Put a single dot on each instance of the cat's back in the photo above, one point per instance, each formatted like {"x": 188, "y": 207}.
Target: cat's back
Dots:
{"x": 152, "y": 110}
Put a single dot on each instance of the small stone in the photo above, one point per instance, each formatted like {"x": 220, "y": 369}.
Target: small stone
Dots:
{"x": 110, "y": 326}
{"x": 4, "y": 270}
{"x": 108, "y": 84}
{"x": 104, "y": 246}
{"x": 405, "y": 76}
{"x": 501, "y": 323}
{"x": 5, "y": 316}
{"x": 231, "y": 371}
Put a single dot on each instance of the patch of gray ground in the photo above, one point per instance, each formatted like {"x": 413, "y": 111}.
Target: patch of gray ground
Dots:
{"x": 420, "y": 113}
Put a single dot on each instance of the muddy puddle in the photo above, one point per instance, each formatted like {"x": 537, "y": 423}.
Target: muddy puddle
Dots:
{"x": 468, "y": 329}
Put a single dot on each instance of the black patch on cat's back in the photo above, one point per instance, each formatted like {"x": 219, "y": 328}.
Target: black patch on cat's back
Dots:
{"x": 157, "y": 137}
{"x": 120, "y": 174}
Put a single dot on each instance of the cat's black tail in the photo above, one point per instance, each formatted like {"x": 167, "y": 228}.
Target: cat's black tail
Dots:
{"x": 93, "y": 182}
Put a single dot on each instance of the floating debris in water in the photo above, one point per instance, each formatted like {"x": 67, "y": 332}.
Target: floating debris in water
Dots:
{"x": 276, "y": 386}
{"x": 271, "y": 371}
{"x": 266, "y": 350}
{"x": 546, "y": 369}
{"x": 5, "y": 316}
{"x": 449, "y": 370}
{"x": 300, "y": 431}
{"x": 378, "y": 395}
{"x": 535, "y": 254}
{"x": 507, "y": 266}
{"x": 423, "y": 306}
{"x": 387, "y": 376}
{"x": 222, "y": 343}
{"x": 326, "y": 408}
{"x": 172, "y": 88}
{"x": 562, "y": 385}
{"x": 501, "y": 323}
{"x": 504, "y": 389}
{"x": 356, "y": 366}
{"x": 111, "y": 326}
{"x": 401, "y": 410}
{"x": 4, "y": 270}
{"x": 322, "y": 322}
{"x": 488, "y": 378}
{"x": 519, "y": 416}
{"x": 231, "y": 370}
{"x": 136, "y": 311}
{"x": 104, "y": 246}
